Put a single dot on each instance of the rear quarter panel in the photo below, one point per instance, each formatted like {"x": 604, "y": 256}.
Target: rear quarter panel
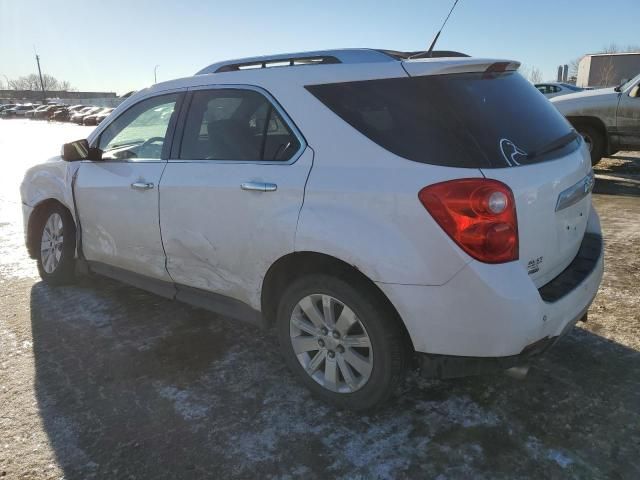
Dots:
{"x": 361, "y": 206}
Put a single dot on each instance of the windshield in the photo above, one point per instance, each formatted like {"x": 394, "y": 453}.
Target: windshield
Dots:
{"x": 470, "y": 120}
{"x": 634, "y": 81}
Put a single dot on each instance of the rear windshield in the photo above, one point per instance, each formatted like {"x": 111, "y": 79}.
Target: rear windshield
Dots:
{"x": 472, "y": 120}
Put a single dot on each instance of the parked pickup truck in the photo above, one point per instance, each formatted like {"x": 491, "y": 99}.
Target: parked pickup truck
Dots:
{"x": 607, "y": 118}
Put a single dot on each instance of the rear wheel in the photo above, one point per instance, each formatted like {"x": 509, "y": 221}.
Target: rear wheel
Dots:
{"x": 56, "y": 237}
{"x": 342, "y": 341}
{"x": 594, "y": 140}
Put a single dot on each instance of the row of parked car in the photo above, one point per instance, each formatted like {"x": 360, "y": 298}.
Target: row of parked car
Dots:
{"x": 80, "y": 114}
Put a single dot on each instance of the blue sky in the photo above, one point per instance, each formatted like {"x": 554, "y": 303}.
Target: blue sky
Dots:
{"x": 114, "y": 45}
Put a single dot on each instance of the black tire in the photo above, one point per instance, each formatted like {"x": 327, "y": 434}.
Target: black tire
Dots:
{"x": 595, "y": 140}
{"x": 390, "y": 349}
{"x": 63, "y": 272}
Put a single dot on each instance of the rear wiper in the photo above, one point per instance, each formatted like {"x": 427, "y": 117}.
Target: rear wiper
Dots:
{"x": 554, "y": 145}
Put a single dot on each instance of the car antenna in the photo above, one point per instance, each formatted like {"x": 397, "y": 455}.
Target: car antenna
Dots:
{"x": 429, "y": 52}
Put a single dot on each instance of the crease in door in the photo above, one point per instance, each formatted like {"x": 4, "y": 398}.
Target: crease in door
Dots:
{"x": 304, "y": 195}
{"x": 166, "y": 261}
{"x": 74, "y": 179}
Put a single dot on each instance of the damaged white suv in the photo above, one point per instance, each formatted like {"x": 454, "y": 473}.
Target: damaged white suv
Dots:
{"x": 373, "y": 208}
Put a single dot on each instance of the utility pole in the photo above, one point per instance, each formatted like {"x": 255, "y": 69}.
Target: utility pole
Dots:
{"x": 44, "y": 95}
{"x": 155, "y": 76}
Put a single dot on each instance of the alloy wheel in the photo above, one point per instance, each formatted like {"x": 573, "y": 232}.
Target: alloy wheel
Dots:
{"x": 331, "y": 343}
{"x": 51, "y": 243}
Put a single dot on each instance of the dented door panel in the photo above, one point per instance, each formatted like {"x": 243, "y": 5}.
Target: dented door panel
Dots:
{"x": 222, "y": 238}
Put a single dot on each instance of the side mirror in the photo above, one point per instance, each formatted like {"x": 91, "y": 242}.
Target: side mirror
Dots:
{"x": 80, "y": 150}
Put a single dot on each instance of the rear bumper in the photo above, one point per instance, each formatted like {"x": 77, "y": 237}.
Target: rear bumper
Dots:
{"x": 451, "y": 366}
{"x": 494, "y": 310}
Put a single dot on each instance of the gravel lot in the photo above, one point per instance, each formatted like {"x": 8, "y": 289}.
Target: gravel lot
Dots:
{"x": 101, "y": 380}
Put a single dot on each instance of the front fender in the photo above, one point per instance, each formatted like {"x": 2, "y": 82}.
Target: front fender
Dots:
{"x": 50, "y": 180}
{"x": 602, "y": 106}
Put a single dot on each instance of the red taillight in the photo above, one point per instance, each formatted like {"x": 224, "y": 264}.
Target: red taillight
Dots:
{"x": 478, "y": 214}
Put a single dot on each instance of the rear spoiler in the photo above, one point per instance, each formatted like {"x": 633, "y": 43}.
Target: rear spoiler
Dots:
{"x": 440, "y": 66}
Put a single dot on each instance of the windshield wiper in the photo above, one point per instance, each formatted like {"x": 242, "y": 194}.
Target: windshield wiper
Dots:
{"x": 554, "y": 145}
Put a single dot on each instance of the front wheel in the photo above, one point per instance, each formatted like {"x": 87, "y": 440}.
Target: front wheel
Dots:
{"x": 342, "y": 341}
{"x": 56, "y": 236}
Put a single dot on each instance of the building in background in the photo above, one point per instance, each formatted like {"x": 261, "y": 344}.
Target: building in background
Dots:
{"x": 607, "y": 69}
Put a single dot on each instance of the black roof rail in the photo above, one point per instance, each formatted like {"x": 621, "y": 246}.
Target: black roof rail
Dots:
{"x": 318, "y": 57}
{"x": 279, "y": 62}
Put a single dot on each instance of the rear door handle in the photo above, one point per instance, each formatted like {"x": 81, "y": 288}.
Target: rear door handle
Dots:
{"x": 259, "y": 186}
{"x": 142, "y": 185}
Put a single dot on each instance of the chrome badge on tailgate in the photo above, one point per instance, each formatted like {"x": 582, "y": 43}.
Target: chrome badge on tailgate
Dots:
{"x": 576, "y": 192}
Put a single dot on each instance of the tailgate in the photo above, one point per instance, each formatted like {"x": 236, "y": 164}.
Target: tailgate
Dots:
{"x": 553, "y": 202}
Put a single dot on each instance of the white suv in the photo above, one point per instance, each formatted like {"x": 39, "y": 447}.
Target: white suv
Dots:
{"x": 373, "y": 208}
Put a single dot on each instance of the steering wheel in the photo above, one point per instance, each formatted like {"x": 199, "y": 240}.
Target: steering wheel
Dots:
{"x": 152, "y": 140}
{"x": 146, "y": 149}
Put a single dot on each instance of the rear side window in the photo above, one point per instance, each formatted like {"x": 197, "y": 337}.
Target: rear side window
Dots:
{"x": 471, "y": 120}
{"x": 236, "y": 124}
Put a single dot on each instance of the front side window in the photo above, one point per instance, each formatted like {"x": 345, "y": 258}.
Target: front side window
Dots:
{"x": 140, "y": 131}
{"x": 235, "y": 124}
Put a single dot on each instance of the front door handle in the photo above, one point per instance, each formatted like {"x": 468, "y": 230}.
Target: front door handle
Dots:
{"x": 142, "y": 185}
{"x": 259, "y": 186}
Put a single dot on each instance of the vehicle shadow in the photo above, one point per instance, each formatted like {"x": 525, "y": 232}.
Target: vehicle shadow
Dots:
{"x": 618, "y": 165}
{"x": 617, "y": 186}
{"x": 635, "y": 160}
{"x": 132, "y": 385}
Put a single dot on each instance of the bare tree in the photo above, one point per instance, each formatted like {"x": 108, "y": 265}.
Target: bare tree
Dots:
{"x": 573, "y": 69}
{"x": 64, "y": 85}
{"x": 608, "y": 72}
{"x": 533, "y": 74}
{"x": 611, "y": 48}
{"x": 32, "y": 82}
{"x": 29, "y": 82}
{"x": 615, "y": 48}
